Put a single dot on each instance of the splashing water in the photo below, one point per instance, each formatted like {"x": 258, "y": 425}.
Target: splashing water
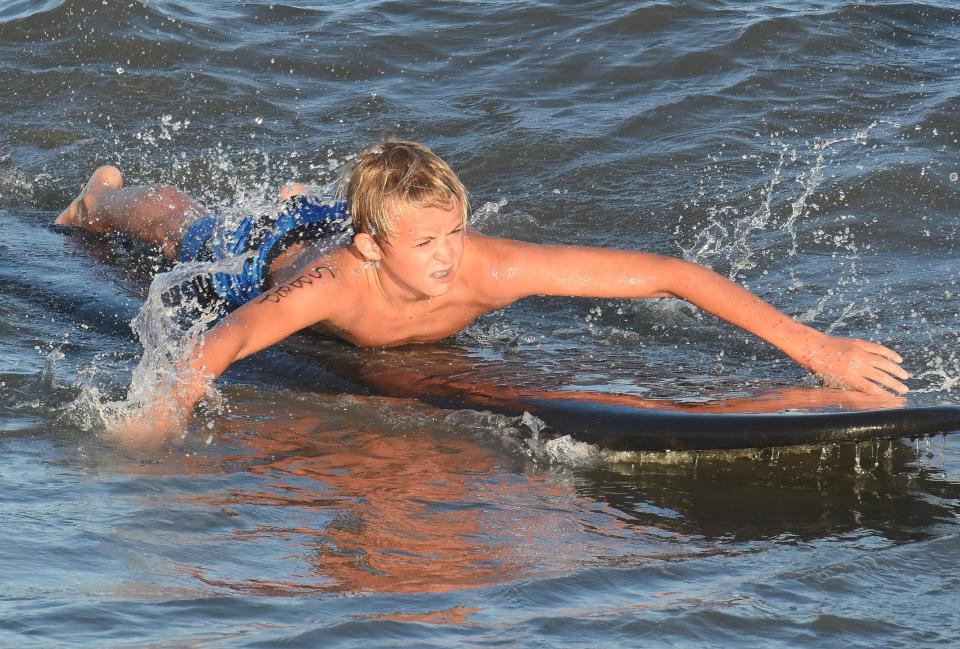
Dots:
{"x": 732, "y": 245}
{"x": 947, "y": 382}
{"x": 48, "y": 377}
{"x": 169, "y": 335}
{"x": 739, "y": 244}
{"x": 240, "y": 175}
{"x": 166, "y": 345}
{"x": 486, "y": 213}
{"x": 245, "y": 179}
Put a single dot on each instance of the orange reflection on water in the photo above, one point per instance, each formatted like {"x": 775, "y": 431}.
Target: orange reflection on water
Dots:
{"x": 400, "y": 512}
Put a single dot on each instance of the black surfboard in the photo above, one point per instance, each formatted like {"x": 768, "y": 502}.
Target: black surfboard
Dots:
{"x": 622, "y": 428}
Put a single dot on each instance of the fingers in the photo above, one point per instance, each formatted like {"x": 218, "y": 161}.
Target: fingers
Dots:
{"x": 886, "y": 368}
{"x": 864, "y": 366}
{"x": 889, "y": 367}
{"x": 880, "y": 350}
{"x": 883, "y": 397}
{"x": 887, "y": 381}
{"x": 863, "y": 385}
{"x": 873, "y": 384}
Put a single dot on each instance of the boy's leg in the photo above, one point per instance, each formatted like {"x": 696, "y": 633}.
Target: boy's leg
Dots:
{"x": 158, "y": 214}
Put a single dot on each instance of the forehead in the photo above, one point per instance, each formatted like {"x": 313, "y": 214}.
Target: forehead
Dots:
{"x": 419, "y": 220}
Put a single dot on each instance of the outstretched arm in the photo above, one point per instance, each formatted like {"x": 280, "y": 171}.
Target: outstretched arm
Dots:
{"x": 532, "y": 269}
{"x": 256, "y": 325}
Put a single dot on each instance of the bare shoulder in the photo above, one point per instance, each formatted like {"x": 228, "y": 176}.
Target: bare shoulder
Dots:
{"x": 493, "y": 266}
{"x": 293, "y": 301}
{"x": 312, "y": 288}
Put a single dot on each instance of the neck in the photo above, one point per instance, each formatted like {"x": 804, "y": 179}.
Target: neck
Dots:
{"x": 388, "y": 289}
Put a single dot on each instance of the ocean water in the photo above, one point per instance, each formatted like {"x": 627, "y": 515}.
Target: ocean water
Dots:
{"x": 808, "y": 150}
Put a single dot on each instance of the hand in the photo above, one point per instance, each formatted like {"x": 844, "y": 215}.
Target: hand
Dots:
{"x": 147, "y": 429}
{"x": 857, "y": 364}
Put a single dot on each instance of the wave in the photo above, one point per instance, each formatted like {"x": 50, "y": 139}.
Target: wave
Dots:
{"x": 75, "y": 29}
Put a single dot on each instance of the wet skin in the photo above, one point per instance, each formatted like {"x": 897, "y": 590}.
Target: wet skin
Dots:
{"x": 434, "y": 278}
{"x": 429, "y": 283}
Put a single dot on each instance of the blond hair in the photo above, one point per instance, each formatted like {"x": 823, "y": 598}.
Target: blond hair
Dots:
{"x": 389, "y": 176}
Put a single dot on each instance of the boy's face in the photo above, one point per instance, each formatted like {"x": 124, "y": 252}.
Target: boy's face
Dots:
{"x": 426, "y": 249}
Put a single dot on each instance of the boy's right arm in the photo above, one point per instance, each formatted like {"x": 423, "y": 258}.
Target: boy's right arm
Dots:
{"x": 258, "y": 324}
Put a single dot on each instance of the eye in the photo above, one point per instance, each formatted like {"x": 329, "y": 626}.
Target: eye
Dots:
{"x": 423, "y": 243}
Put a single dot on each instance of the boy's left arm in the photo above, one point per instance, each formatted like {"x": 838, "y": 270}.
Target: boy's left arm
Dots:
{"x": 531, "y": 269}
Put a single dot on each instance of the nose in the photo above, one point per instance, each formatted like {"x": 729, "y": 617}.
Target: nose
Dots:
{"x": 445, "y": 251}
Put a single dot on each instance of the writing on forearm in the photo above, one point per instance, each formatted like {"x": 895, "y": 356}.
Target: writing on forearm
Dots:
{"x": 278, "y": 293}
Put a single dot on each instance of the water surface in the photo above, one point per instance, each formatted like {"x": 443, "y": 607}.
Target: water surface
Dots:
{"x": 806, "y": 149}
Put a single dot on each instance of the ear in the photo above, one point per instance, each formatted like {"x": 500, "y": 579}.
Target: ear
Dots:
{"x": 367, "y": 246}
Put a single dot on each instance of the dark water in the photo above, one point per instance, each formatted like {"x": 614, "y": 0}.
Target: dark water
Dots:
{"x": 807, "y": 149}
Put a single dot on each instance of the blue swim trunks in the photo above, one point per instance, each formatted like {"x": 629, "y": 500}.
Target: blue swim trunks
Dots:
{"x": 302, "y": 219}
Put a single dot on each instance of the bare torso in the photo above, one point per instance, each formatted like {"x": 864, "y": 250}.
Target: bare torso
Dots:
{"x": 366, "y": 319}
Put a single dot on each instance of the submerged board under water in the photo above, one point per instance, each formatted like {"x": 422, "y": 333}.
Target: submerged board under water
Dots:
{"x": 624, "y": 423}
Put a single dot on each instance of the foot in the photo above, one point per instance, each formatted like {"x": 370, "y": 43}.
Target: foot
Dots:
{"x": 290, "y": 190}
{"x": 78, "y": 212}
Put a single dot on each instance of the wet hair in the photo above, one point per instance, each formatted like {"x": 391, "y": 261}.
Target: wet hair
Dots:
{"x": 389, "y": 176}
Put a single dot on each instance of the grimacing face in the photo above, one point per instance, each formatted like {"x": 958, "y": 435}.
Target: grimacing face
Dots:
{"x": 425, "y": 250}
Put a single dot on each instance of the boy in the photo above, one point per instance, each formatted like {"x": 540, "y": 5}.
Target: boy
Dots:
{"x": 415, "y": 272}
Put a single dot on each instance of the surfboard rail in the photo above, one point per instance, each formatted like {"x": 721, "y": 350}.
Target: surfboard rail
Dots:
{"x": 622, "y": 428}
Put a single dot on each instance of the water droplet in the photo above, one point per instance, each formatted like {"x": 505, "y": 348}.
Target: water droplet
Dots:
{"x": 120, "y": 70}
{"x": 259, "y": 120}
{"x": 953, "y": 177}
